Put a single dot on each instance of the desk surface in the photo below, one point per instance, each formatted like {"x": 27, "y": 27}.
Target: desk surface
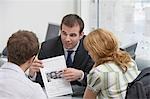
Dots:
{"x": 66, "y": 97}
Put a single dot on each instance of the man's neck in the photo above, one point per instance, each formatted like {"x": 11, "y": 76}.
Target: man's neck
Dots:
{"x": 24, "y": 66}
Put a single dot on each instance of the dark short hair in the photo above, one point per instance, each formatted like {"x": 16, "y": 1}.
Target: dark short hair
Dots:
{"x": 71, "y": 20}
{"x": 22, "y": 46}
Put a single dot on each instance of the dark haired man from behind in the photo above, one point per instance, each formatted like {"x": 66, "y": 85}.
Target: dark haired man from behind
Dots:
{"x": 22, "y": 48}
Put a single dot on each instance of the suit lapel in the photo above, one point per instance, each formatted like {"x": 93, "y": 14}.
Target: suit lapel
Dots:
{"x": 79, "y": 57}
{"x": 80, "y": 54}
{"x": 59, "y": 48}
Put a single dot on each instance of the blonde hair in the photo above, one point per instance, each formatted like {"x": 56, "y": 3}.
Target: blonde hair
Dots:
{"x": 104, "y": 48}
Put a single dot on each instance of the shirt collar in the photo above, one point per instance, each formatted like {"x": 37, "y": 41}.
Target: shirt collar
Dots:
{"x": 12, "y": 66}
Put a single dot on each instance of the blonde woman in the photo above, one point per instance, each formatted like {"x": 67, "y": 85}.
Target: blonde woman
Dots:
{"x": 113, "y": 68}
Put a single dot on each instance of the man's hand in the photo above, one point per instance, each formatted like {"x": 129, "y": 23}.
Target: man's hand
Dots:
{"x": 71, "y": 74}
{"x": 35, "y": 67}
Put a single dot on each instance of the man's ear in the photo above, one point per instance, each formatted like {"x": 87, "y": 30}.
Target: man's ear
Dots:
{"x": 31, "y": 59}
{"x": 81, "y": 35}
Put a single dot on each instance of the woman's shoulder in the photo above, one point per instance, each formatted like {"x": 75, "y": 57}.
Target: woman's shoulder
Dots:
{"x": 132, "y": 65}
{"x": 107, "y": 67}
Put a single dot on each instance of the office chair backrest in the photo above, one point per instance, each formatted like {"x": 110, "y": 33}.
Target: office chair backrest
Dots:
{"x": 4, "y": 52}
{"x": 131, "y": 50}
{"x": 52, "y": 31}
{"x": 140, "y": 87}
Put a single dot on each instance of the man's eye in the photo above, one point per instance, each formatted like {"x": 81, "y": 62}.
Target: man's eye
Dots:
{"x": 64, "y": 33}
{"x": 72, "y": 35}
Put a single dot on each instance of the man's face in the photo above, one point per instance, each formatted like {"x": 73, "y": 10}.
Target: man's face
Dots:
{"x": 70, "y": 36}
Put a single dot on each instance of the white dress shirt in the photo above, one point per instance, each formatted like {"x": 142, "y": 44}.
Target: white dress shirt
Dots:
{"x": 72, "y": 56}
{"x": 15, "y": 85}
{"x": 73, "y": 49}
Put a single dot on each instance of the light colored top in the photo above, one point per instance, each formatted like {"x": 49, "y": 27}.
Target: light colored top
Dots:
{"x": 15, "y": 85}
{"x": 1, "y": 62}
{"x": 109, "y": 82}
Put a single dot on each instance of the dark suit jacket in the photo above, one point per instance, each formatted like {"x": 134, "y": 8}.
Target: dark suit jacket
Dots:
{"x": 54, "y": 47}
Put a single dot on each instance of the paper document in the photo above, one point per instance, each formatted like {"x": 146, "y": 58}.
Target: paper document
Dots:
{"x": 55, "y": 84}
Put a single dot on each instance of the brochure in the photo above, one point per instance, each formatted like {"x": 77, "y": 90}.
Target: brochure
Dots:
{"x": 52, "y": 75}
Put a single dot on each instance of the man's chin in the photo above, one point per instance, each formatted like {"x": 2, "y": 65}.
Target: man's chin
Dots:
{"x": 68, "y": 47}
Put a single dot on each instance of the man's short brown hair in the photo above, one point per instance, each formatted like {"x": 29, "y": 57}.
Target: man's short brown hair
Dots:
{"x": 21, "y": 46}
{"x": 72, "y": 20}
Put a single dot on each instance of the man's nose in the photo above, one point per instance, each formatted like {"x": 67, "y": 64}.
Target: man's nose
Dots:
{"x": 67, "y": 38}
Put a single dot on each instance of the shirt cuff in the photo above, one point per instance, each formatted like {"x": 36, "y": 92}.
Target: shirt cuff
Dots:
{"x": 81, "y": 76}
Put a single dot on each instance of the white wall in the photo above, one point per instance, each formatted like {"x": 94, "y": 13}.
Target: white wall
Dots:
{"x": 88, "y": 12}
{"x": 125, "y": 19}
{"x": 31, "y": 15}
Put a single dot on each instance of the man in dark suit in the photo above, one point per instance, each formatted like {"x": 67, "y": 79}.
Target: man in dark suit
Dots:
{"x": 70, "y": 39}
